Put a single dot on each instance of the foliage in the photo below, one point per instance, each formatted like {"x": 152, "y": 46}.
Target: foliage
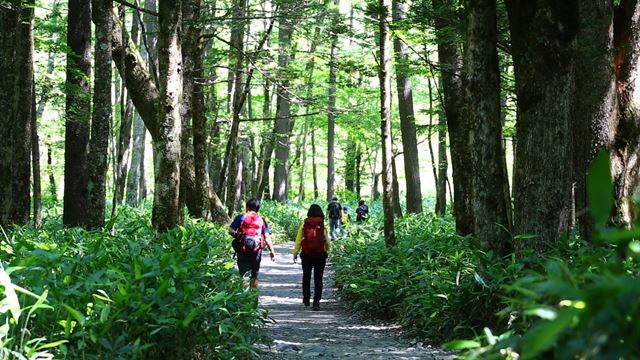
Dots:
{"x": 135, "y": 295}
{"x": 433, "y": 281}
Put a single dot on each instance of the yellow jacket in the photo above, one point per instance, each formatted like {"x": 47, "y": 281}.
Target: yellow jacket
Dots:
{"x": 296, "y": 248}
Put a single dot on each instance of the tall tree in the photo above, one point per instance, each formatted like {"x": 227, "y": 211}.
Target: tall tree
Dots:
{"x": 282, "y": 131}
{"x": 35, "y": 164}
{"x": 166, "y": 209}
{"x": 482, "y": 91}
{"x": 450, "y": 59}
{"x": 543, "y": 36}
{"x": 8, "y": 28}
{"x": 407, "y": 117}
{"x": 135, "y": 178}
{"x": 443, "y": 165}
{"x": 23, "y": 111}
{"x": 593, "y": 121}
{"x": 331, "y": 107}
{"x": 385, "y": 120}
{"x": 77, "y": 112}
{"x": 101, "y": 120}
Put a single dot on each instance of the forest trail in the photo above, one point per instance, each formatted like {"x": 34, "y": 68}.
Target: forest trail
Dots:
{"x": 298, "y": 332}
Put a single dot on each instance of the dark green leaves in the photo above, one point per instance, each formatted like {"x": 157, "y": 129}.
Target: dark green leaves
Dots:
{"x": 600, "y": 189}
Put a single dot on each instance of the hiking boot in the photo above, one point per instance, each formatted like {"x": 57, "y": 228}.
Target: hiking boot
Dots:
{"x": 316, "y": 306}
{"x": 305, "y": 302}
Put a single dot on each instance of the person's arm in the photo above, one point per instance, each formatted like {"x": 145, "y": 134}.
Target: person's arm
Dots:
{"x": 298, "y": 245}
{"x": 327, "y": 240}
{"x": 272, "y": 251}
{"x": 234, "y": 228}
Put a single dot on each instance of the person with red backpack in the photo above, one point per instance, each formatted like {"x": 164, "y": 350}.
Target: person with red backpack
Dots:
{"x": 314, "y": 242}
{"x": 250, "y": 233}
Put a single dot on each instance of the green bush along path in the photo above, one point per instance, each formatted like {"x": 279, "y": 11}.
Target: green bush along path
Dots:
{"x": 298, "y": 332}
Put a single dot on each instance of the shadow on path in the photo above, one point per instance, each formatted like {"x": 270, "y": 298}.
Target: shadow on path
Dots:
{"x": 297, "y": 332}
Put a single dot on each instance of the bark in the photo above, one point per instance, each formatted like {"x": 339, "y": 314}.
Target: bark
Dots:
{"x": 166, "y": 211}
{"x": 235, "y": 100}
{"x": 52, "y": 180}
{"x": 450, "y": 59}
{"x": 593, "y": 125}
{"x": 101, "y": 120}
{"x": 482, "y": 91}
{"x": 385, "y": 121}
{"x": 543, "y": 47}
{"x": 35, "y": 160}
{"x": 358, "y": 184}
{"x": 443, "y": 165}
{"x": 407, "y": 117}
{"x": 136, "y": 171}
{"x": 124, "y": 136}
{"x": 350, "y": 164}
{"x": 397, "y": 209}
{"x": 78, "y": 112}
{"x": 314, "y": 169}
{"x": 331, "y": 109}
{"x": 24, "y": 113}
{"x": 202, "y": 194}
{"x": 150, "y": 38}
{"x": 626, "y": 143}
{"x": 8, "y": 29}
{"x": 283, "y": 115}
{"x": 190, "y": 51}
{"x": 432, "y": 156}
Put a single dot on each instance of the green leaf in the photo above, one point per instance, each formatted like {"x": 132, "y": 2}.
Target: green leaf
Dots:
{"x": 462, "y": 344}
{"x": 51, "y": 344}
{"x": 600, "y": 189}
{"x": 190, "y": 317}
{"x": 540, "y": 337}
{"x": 542, "y": 312}
{"x": 75, "y": 313}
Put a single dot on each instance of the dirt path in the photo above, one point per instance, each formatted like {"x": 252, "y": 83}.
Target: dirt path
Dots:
{"x": 332, "y": 332}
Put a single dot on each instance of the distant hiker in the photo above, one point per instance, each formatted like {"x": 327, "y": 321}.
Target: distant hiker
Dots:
{"x": 312, "y": 239}
{"x": 334, "y": 210}
{"x": 346, "y": 217}
{"x": 362, "y": 212}
{"x": 250, "y": 233}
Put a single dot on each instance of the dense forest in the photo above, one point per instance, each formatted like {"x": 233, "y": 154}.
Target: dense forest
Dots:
{"x": 496, "y": 141}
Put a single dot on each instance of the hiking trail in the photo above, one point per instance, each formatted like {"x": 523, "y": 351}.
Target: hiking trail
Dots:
{"x": 298, "y": 332}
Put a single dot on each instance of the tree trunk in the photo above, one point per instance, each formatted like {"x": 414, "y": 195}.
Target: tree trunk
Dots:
{"x": 544, "y": 63}
{"x": 166, "y": 211}
{"x": 482, "y": 91}
{"x": 450, "y": 59}
{"x": 385, "y": 121}
{"x": 191, "y": 50}
{"x": 283, "y": 114}
{"x": 78, "y": 112}
{"x": 136, "y": 171}
{"x": 397, "y": 209}
{"x": 24, "y": 113}
{"x": 101, "y": 119}
{"x": 35, "y": 161}
{"x": 8, "y": 29}
{"x": 595, "y": 113}
{"x": 200, "y": 141}
{"x": 316, "y": 192}
{"x": 443, "y": 165}
{"x": 350, "y": 164}
{"x": 331, "y": 107}
{"x": 124, "y": 138}
{"x": 358, "y": 184}
{"x": 626, "y": 143}
{"x": 52, "y": 180}
{"x": 407, "y": 118}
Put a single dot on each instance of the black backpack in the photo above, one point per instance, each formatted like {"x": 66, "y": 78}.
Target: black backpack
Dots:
{"x": 362, "y": 211}
{"x": 334, "y": 210}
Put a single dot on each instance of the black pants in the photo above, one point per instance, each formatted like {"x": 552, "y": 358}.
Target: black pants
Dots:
{"x": 317, "y": 264}
{"x": 249, "y": 263}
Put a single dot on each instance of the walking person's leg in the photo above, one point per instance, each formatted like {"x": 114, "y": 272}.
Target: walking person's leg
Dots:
{"x": 306, "y": 279}
{"x": 332, "y": 228}
{"x": 318, "y": 272}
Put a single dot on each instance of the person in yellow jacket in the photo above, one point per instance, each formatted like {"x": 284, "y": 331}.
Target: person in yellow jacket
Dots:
{"x": 313, "y": 245}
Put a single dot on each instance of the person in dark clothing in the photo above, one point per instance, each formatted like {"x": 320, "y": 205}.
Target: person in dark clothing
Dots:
{"x": 334, "y": 211}
{"x": 313, "y": 245}
{"x": 251, "y": 232}
{"x": 362, "y": 212}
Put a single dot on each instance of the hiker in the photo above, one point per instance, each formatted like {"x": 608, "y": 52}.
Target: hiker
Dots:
{"x": 346, "y": 217}
{"x": 312, "y": 239}
{"x": 250, "y": 233}
{"x": 362, "y": 212}
{"x": 334, "y": 210}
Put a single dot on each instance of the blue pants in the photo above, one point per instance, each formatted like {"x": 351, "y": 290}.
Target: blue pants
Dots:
{"x": 335, "y": 228}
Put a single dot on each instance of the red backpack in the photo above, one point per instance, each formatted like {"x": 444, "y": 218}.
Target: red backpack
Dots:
{"x": 313, "y": 236}
{"x": 251, "y": 230}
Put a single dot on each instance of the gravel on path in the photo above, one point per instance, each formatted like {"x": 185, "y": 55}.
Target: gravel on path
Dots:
{"x": 298, "y": 332}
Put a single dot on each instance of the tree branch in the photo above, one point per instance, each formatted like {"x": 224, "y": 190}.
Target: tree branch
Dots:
{"x": 136, "y": 7}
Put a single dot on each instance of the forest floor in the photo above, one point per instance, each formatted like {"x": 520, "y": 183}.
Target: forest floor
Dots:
{"x": 333, "y": 332}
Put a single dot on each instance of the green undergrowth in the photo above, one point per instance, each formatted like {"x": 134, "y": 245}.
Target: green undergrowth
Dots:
{"x": 128, "y": 295}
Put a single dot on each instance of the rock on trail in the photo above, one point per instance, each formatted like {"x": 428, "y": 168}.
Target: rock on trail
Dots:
{"x": 298, "y": 332}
